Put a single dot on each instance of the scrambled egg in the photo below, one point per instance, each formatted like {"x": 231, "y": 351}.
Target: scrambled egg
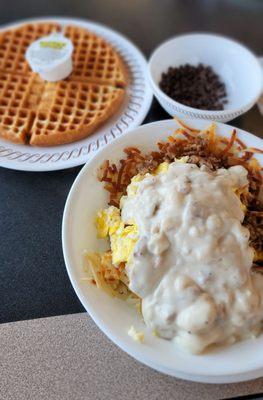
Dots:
{"x": 132, "y": 188}
{"x": 122, "y": 237}
{"x": 163, "y": 167}
{"x": 136, "y": 335}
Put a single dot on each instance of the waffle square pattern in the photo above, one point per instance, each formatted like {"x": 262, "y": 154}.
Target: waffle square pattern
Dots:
{"x": 47, "y": 114}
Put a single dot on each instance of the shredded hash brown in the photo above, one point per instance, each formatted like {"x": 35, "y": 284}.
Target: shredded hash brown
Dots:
{"x": 113, "y": 280}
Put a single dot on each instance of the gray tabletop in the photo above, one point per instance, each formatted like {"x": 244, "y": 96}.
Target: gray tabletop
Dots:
{"x": 68, "y": 358}
{"x": 33, "y": 281}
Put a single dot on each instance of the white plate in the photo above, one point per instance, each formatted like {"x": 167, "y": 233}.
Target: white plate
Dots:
{"x": 131, "y": 114}
{"x": 239, "y": 362}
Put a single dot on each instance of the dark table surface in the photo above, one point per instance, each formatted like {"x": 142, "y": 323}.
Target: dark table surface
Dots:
{"x": 33, "y": 279}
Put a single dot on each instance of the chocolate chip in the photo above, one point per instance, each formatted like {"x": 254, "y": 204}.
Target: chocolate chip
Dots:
{"x": 194, "y": 86}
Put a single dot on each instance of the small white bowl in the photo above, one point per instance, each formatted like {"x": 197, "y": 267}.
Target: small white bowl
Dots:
{"x": 242, "y": 361}
{"x": 237, "y": 66}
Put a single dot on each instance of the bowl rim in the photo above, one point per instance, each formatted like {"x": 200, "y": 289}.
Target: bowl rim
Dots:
{"x": 242, "y": 375}
{"x": 186, "y": 109}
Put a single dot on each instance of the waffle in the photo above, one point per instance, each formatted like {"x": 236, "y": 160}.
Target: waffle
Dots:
{"x": 70, "y": 111}
{"x": 15, "y": 124}
{"x": 47, "y": 114}
{"x": 94, "y": 60}
{"x": 20, "y": 91}
{"x": 19, "y": 97}
{"x": 14, "y": 43}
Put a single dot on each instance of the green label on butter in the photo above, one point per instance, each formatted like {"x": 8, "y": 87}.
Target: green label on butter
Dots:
{"x": 53, "y": 44}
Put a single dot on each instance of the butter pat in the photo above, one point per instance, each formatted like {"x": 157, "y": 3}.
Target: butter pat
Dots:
{"x": 51, "y": 57}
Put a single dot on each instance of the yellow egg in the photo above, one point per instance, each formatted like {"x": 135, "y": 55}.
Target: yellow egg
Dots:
{"x": 183, "y": 159}
{"x": 107, "y": 221}
{"x": 123, "y": 242}
{"x": 163, "y": 167}
{"x": 122, "y": 238}
{"x": 132, "y": 188}
{"x": 102, "y": 228}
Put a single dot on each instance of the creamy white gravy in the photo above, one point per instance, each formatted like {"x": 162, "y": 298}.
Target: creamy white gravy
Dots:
{"x": 192, "y": 262}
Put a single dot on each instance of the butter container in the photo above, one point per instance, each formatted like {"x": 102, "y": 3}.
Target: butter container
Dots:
{"x": 51, "y": 57}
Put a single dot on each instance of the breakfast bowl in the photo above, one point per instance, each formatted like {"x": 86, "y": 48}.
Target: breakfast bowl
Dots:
{"x": 238, "y": 362}
{"x": 238, "y": 68}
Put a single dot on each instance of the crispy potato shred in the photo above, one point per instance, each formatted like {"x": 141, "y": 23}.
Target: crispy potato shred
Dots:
{"x": 203, "y": 147}
{"x": 100, "y": 271}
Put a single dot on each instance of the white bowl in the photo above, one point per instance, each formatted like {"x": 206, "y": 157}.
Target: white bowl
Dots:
{"x": 241, "y": 361}
{"x": 237, "y": 66}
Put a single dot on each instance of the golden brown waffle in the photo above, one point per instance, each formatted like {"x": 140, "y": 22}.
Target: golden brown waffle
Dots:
{"x": 94, "y": 60}
{"x": 14, "y": 42}
{"x": 69, "y": 111}
{"x": 20, "y": 91}
{"x": 54, "y": 113}
{"x": 19, "y": 97}
{"x": 15, "y": 124}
